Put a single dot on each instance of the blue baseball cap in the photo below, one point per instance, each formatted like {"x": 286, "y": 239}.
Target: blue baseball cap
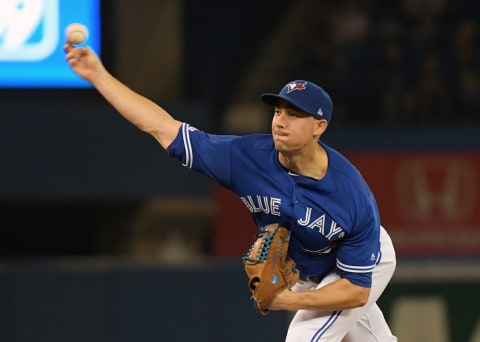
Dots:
{"x": 306, "y": 96}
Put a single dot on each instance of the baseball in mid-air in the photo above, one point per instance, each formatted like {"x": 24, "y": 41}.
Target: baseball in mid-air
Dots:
{"x": 76, "y": 33}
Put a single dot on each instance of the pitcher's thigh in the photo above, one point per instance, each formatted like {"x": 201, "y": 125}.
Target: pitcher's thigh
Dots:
{"x": 372, "y": 327}
{"x": 317, "y": 326}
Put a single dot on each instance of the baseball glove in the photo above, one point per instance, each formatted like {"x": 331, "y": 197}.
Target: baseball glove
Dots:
{"x": 268, "y": 268}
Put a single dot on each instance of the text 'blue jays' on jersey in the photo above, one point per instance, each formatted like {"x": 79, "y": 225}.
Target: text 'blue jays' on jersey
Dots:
{"x": 334, "y": 221}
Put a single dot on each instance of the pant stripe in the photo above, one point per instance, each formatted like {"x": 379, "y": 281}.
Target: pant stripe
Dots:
{"x": 327, "y": 325}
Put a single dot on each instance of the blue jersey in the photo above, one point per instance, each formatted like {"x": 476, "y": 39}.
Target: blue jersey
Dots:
{"x": 334, "y": 221}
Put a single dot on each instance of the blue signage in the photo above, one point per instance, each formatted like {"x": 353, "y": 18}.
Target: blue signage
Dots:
{"x": 32, "y": 35}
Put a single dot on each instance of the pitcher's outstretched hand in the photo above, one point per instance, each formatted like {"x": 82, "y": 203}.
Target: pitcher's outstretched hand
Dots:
{"x": 83, "y": 61}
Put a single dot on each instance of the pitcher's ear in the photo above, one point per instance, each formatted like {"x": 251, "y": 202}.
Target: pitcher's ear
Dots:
{"x": 320, "y": 126}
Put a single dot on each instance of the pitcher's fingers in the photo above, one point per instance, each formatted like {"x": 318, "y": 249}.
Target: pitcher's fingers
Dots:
{"x": 67, "y": 47}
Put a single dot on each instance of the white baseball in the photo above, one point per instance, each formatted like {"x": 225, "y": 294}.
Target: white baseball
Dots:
{"x": 76, "y": 33}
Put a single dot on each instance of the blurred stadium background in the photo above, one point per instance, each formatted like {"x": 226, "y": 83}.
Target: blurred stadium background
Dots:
{"x": 104, "y": 238}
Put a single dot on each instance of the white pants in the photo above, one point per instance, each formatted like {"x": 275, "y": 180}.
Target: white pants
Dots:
{"x": 362, "y": 324}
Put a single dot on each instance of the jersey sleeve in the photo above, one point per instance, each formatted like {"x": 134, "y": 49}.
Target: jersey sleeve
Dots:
{"x": 209, "y": 154}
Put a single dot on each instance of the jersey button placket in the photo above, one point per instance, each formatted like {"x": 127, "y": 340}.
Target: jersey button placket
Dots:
{"x": 295, "y": 201}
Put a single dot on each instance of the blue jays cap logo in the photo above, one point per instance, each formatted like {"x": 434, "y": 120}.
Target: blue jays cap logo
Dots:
{"x": 296, "y": 86}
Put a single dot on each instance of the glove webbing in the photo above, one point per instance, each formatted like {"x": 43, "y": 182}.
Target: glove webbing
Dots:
{"x": 264, "y": 248}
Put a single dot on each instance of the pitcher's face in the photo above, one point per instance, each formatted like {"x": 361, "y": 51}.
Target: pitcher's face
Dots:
{"x": 292, "y": 129}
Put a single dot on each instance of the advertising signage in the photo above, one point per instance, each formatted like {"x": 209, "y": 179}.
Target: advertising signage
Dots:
{"x": 32, "y": 35}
